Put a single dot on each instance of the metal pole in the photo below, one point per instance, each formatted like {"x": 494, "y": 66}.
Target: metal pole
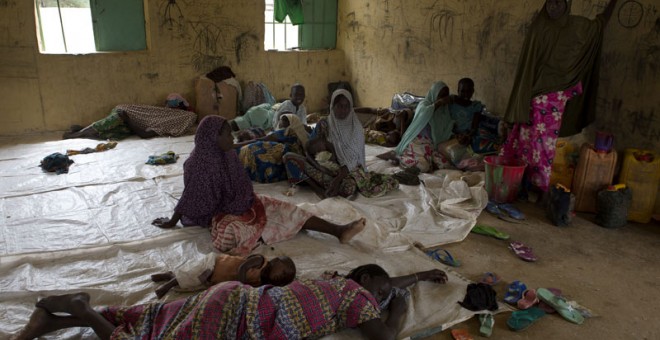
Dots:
{"x": 59, "y": 10}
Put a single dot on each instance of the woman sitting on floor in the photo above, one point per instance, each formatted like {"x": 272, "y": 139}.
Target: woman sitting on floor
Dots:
{"x": 342, "y": 136}
{"x": 143, "y": 120}
{"x": 303, "y": 309}
{"x": 262, "y": 157}
{"x": 219, "y": 194}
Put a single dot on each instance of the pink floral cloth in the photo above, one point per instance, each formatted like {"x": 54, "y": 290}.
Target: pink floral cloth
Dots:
{"x": 269, "y": 219}
{"x": 534, "y": 142}
{"x": 421, "y": 154}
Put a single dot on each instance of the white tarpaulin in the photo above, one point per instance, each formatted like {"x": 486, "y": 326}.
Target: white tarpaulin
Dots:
{"x": 90, "y": 230}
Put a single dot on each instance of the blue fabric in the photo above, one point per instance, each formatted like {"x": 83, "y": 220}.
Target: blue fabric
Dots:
{"x": 463, "y": 115}
{"x": 263, "y": 161}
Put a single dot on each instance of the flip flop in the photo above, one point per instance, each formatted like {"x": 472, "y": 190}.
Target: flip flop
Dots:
{"x": 547, "y": 308}
{"x": 528, "y": 300}
{"x": 512, "y": 211}
{"x": 492, "y": 208}
{"x": 522, "y": 319}
{"x": 522, "y": 251}
{"x": 445, "y": 258}
{"x": 560, "y": 305}
{"x": 461, "y": 334}
{"x": 490, "y": 279}
{"x": 514, "y": 292}
{"x": 486, "y": 322}
{"x": 489, "y": 231}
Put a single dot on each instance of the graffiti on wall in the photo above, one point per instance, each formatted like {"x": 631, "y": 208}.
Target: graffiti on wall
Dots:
{"x": 645, "y": 124}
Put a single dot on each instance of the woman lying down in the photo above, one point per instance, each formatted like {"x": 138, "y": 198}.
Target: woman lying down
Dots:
{"x": 232, "y": 310}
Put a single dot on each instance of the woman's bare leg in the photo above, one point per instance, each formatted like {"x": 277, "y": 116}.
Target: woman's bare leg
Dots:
{"x": 41, "y": 322}
{"x": 88, "y": 132}
{"x": 343, "y": 232}
{"x": 78, "y": 306}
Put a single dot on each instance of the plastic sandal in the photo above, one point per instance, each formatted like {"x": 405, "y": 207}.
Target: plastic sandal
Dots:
{"x": 522, "y": 251}
{"x": 486, "y": 322}
{"x": 512, "y": 211}
{"x": 514, "y": 292}
{"x": 528, "y": 300}
{"x": 522, "y": 319}
{"x": 490, "y": 279}
{"x": 560, "y": 305}
{"x": 489, "y": 231}
{"x": 492, "y": 208}
{"x": 547, "y": 308}
{"x": 461, "y": 334}
{"x": 445, "y": 258}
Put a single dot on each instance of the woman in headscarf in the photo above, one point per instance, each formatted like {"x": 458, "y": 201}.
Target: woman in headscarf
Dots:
{"x": 262, "y": 157}
{"x": 218, "y": 194}
{"x": 431, "y": 125}
{"x": 559, "y": 61}
{"x": 304, "y": 309}
{"x": 341, "y": 136}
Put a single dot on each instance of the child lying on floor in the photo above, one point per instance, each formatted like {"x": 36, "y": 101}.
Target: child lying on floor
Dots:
{"x": 215, "y": 268}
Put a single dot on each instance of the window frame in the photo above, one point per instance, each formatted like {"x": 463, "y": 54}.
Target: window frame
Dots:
{"x": 100, "y": 33}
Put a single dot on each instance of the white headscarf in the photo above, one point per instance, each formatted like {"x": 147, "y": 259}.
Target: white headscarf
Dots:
{"x": 347, "y": 135}
{"x": 296, "y": 128}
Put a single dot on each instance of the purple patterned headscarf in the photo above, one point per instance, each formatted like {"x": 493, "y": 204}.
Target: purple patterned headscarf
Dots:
{"x": 215, "y": 180}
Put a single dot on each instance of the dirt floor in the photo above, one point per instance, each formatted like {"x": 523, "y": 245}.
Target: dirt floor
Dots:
{"x": 613, "y": 272}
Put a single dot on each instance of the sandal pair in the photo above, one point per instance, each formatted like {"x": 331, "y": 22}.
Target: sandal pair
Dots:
{"x": 505, "y": 210}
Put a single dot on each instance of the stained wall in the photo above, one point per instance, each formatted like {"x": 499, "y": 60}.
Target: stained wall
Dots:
{"x": 47, "y": 92}
{"x": 405, "y": 45}
{"x": 384, "y": 47}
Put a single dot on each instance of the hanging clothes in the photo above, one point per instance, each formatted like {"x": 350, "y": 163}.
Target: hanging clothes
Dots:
{"x": 292, "y": 8}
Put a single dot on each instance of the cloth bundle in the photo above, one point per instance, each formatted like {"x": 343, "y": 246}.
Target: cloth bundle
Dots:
{"x": 56, "y": 162}
{"x": 162, "y": 159}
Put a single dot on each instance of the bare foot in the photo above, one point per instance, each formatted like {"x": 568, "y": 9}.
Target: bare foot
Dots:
{"x": 162, "y": 277}
{"x": 40, "y": 323}
{"x": 352, "y": 229}
{"x": 388, "y": 156}
{"x": 69, "y": 303}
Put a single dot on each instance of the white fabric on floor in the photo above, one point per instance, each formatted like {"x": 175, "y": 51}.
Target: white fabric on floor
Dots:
{"x": 90, "y": 230}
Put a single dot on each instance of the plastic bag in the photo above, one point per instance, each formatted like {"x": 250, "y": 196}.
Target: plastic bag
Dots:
{"x": 405, "y": 100}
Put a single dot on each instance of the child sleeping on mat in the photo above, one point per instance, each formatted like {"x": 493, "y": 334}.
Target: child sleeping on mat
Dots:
{"x": 254, "y": 270}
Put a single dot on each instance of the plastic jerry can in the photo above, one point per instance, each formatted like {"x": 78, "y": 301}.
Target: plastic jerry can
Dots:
{"x": 563, "y": 168}
{"x": 640, "y": 173}
{"x": 594, "y": 172}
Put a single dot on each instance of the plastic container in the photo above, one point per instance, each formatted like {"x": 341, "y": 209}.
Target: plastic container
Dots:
{"x": 503, "y": 178}
{"x": 563, "y": 166}
{"x": 640, "y": 173}
{"x": 612, "y": 206}
{"x": 594, "y": 172}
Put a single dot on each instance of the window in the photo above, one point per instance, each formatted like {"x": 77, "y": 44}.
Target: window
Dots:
{"x": 84, "y": 26}
{"x": 279, "y": 36}
{"x": 317, "y": 28}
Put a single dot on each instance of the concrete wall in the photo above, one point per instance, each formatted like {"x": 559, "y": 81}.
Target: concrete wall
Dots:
{"x": 405, "y": 45}
{"x": 384, "y": 47}
{"x": 46, "y": 92}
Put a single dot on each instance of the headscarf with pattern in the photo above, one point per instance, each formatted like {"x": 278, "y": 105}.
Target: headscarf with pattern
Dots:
{"x": 346, "y": 135}
{"x": 215, "y": 180}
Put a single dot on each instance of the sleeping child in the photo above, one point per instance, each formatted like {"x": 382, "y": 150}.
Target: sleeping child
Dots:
{"x": 215, "y": 268}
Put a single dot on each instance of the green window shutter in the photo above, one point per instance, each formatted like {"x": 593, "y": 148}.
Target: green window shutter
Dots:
{"x": 319, "y": 32}
{"x": 119, "y": 25}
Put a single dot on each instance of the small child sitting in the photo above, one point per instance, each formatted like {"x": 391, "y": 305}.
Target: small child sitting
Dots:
{"x": 215, "y": 268}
